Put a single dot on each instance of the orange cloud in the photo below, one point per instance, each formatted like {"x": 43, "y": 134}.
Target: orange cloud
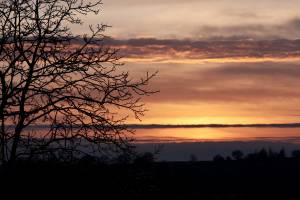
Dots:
{"x": 217, "y": 81}
{"x": 260, "y": 92}
{"x": 187, "y": 51}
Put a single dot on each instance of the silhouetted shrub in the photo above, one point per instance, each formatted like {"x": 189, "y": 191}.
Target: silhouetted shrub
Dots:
{"x": 228, "y": 158}
{"x": 124, "y": 158}
{"x": 296, "y": 154}
{"x": 237, "y": 154}
{"x": 260, "y": 155}
{"x": 276, "y": 155}
{"x": 272, "y": 154}
{"x": 146, "y": 157}
{"x": 282, "y": 154}
{"x": 193, "y": 158}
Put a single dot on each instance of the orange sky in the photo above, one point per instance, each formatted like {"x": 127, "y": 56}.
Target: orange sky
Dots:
{"x": 227, "y": 82}
{"x": 219, "y": 61}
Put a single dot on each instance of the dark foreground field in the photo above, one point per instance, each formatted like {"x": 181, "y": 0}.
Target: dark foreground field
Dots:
{"x": 169, "y": 180}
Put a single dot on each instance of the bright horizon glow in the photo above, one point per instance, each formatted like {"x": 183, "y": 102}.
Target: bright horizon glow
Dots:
{"x": 219, "y": 61}
{"x": 290, "y": 135}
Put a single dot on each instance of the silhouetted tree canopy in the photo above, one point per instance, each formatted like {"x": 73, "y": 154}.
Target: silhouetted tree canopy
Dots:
{"x": 144, "y": 158}
{"x": 193, "y": 158}
{"x": 260, "y": 155}
{"x": 296, "y": 153}
{"x": 237, "y": 154}
{"x": 218, "y": 158}
{"x": 70, "y": 85}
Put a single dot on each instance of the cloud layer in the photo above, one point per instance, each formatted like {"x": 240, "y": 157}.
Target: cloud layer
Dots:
{"x": 219, "y": 61}
{"x": 236, "y": 82}
{"x": 159, "y": 50}
{"x": 257, "y": 19}
{"x": 218, "y": 81}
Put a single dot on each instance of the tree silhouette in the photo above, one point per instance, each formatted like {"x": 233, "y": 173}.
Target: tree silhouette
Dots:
{"x": 237, "y": 154}
{"x": 145, "y": 158}
{"x": 218, "y": 158}
{"x": 68, "y": 84}
{"x": 193, "y": 158}
{"x": 296, "y": 154}
{"x": 282, "y": 154}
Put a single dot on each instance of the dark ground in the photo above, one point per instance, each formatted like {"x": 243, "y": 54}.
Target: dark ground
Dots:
{"x": 169, "y": 180}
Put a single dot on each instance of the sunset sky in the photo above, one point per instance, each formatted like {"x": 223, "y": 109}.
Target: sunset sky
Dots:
{"x": 219, "y": 61}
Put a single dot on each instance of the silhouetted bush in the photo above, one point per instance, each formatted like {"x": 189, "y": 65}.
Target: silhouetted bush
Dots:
{"x": 144, "y": 158}
{"x": 124, "y": 158}
{"x": 296, "y": 154}
{"x": 228, "y": 158}
{"x": 282, "y": 154}
{"x": 262, "y": 154}
{"x": 193, "y": 158}
{"x": 218, "y": 158}
{"x": 276, "y": 155}
{"x": 272, "y": 154}
{"x": 237, "y": 154}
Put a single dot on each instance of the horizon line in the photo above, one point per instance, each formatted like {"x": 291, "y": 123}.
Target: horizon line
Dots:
{"x": 269, "y": 125}
{"x": 154, "y": 126}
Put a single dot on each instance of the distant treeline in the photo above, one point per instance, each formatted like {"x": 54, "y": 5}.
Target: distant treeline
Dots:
{"x": 262, "y": 154}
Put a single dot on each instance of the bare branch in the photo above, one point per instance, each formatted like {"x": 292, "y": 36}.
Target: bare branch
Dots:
{"x": 70, "y": 84}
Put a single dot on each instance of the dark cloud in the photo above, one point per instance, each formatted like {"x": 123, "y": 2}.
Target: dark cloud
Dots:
{"x": 189, "y": 49}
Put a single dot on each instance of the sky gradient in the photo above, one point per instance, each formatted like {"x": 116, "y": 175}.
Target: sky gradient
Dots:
{"x": 219, "y": 61}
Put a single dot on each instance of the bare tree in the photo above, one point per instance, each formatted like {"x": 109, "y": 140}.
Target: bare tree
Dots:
{"x": 69, "y": 84}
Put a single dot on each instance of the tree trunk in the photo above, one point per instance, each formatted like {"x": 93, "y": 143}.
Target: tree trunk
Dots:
{"x": 13, "y": 153}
